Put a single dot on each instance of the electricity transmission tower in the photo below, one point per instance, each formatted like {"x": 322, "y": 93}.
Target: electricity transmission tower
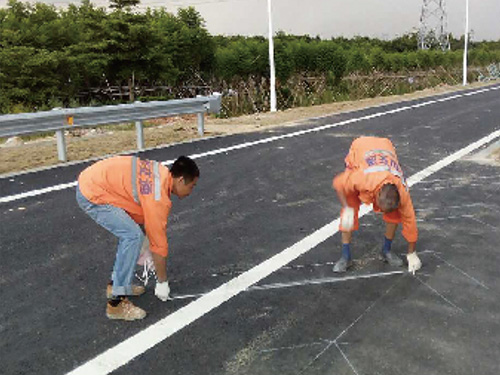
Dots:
{"x": 433, "y": 25}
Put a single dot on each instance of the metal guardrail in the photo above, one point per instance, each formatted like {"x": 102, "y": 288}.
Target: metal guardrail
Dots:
{"x": 59, "y": 120}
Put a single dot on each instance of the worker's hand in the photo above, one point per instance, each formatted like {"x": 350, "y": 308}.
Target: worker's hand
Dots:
{"x": 347, "y": 218}
{"x": 162, "y": 291}
{"x": 414, "y": 263}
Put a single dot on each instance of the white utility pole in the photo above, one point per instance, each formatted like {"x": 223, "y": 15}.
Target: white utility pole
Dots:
{"x": 271, "y": 59}
{"x": 466, "y": 37}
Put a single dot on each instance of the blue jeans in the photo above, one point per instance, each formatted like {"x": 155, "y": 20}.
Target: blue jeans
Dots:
{"x": 130, "y": 239}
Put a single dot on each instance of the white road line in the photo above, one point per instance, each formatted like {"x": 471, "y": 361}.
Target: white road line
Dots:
{"x": 34, "y": 193}
{"x": 134, "y": 346}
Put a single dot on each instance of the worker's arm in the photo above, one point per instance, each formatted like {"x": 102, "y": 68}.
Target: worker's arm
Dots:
{"x": 160, "y": 267}
{"x": 409, "y": 221}
{"x": 343, "y": 185}
{"x": 412, "y": 247}
{"x": 414, "y": 263}
{"x": 410, "y": 231}
{"x": 156, "y": 215}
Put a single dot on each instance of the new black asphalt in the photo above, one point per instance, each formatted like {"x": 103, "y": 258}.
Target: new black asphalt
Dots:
{"x": 249, "y": 205}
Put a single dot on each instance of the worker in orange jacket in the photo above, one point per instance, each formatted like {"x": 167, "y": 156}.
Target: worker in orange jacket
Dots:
{"x": 373, "y": 176}
{"x": 130, "y": 198}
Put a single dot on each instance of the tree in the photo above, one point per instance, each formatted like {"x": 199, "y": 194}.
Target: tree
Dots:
{"x": 123, "y": 4}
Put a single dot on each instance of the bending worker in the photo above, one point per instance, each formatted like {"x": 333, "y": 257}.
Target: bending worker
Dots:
{"x": 125, "y": 194}
{"x": 373, "y": 176}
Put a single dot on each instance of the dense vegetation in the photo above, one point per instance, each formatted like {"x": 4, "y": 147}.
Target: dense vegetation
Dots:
{"x": 60, "y": 57}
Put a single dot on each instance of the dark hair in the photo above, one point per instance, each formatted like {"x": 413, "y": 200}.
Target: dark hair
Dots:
{"x": 186, "y": 168}
{"x": 389, "y": 197}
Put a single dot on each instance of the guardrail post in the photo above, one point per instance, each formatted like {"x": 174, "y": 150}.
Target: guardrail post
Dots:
{"x": 201, "y": 123}
{"x": 61, "y": 145}
{"x": 140, "y": 135}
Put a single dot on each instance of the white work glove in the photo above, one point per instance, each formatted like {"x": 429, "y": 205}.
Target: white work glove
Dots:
{"x": 414, "y": 263}
{"x": 347, "y": 218}
{"x": 162, "y": 290}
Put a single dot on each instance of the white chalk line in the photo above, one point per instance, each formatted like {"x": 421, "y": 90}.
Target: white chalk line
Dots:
{"x": 329, "y": 342}
{"x": 37, "y": 192}
{"x": 323, "y": 351}
{"x": 461, "y": 271}
{"x": 484, "y": 223}
{"x": 291, "y": 284}
{"x": 346, "y": 359}
{"x": 460, "y": 207}
{"x": 294, "y": 347}
{"x": 132, "y": 347}
{"x": 324, "y": 280}
{"x": 335, "y": 341}
{"x": 466, "y": 179}
{"x": 439, "y": 294}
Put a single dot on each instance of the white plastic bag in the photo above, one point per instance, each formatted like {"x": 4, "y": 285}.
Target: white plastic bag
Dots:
{"x": 146, "y": 261}
{"x": 347, "y": 218}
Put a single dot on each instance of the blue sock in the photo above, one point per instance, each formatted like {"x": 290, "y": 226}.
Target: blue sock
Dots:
{"x": 346, "y": 251}
{"x": 387, "y": 245}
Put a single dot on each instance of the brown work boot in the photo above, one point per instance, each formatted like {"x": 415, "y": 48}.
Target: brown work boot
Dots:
{"x": 125, "y": 310}
{"x": 137, "y": 290}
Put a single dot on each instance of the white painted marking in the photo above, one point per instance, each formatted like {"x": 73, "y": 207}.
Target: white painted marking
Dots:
{"x": 34, "y": 193}
{"x": 416, "y": 178}
{"x": 134, "y": 346}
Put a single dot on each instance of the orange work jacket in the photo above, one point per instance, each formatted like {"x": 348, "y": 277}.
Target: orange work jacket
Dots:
{"x": 370, "y": 164}
{"x": 140, "y": 187}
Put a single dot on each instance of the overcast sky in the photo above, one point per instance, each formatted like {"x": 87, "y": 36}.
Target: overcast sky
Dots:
{"x": 376, "y": 18}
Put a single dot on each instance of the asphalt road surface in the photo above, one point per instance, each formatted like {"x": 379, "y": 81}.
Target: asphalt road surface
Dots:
{"x": 251, "y": 255}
